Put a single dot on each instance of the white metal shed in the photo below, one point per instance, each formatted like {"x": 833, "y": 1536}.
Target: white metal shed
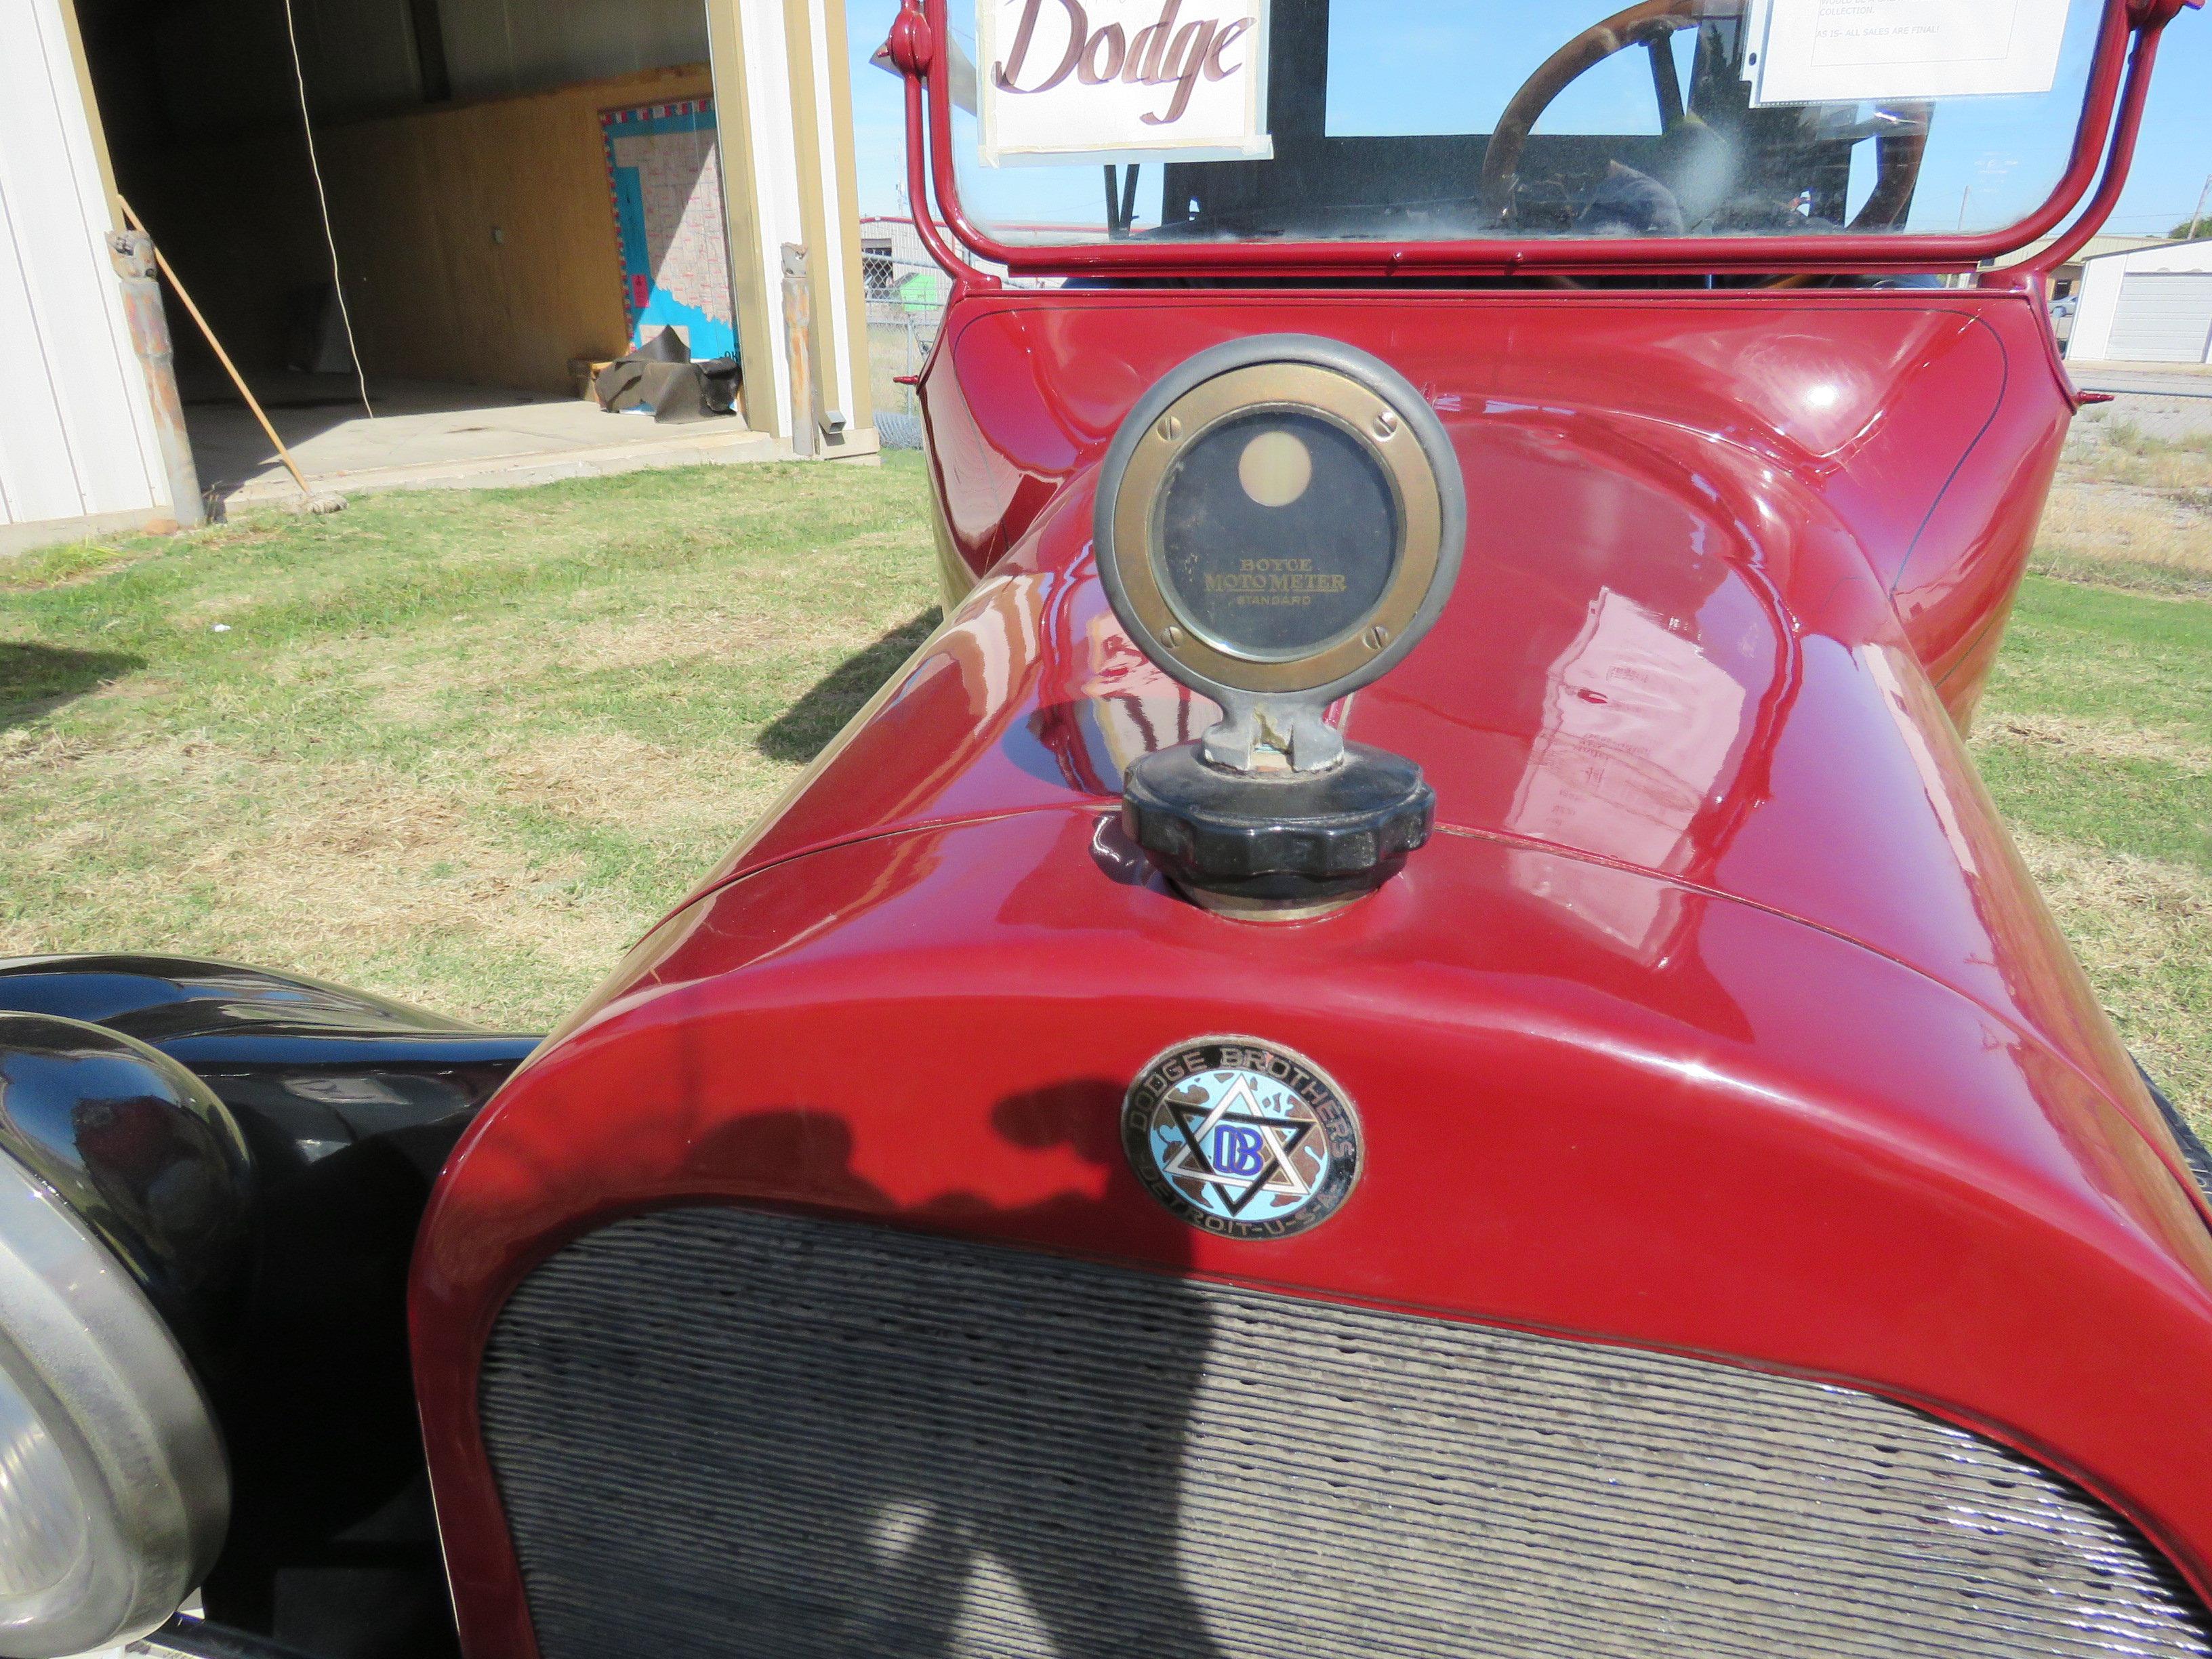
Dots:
{"x": 2151, "y": 306}
{"x": 79, "y": 454}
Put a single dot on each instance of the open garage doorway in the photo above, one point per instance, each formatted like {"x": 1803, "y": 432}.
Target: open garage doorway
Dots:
{"x": 510, "y": 193}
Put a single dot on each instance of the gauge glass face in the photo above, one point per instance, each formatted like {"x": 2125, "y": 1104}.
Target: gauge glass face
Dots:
{"x": 1279, "y": 532}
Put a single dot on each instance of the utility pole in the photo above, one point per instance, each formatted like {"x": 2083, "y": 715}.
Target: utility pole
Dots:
{"x": 1965, "y": 196}
{"x": 2197, "y": 219}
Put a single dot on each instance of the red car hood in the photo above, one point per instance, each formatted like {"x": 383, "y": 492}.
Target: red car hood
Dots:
{"x": 1708, "y": 599}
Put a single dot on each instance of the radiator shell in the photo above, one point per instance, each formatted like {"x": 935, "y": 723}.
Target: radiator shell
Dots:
{"x": 1772, "y": 1147}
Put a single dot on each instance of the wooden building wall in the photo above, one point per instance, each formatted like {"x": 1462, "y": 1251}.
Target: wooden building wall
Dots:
{"x": 479, "y": 240}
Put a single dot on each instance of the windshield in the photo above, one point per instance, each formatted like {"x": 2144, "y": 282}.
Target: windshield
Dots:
{"x": 1159, "y": 121}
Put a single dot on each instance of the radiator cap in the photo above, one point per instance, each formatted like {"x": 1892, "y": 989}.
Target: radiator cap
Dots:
{"x": 1279, "y": 845}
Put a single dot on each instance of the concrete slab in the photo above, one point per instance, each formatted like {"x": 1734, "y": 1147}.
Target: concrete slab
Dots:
{"x": 422, "y": 435}
{"x": 52, "y": 532}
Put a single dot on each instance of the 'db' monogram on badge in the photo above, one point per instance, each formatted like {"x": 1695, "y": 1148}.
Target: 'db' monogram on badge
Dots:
{"x": 1242, "y": 1138}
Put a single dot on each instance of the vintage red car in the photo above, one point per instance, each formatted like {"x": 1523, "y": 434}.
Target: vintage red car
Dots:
{"x": 1409, "y": 1034}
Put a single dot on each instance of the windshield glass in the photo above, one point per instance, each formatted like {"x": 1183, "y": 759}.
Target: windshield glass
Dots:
{"x": 1451, "y": 120}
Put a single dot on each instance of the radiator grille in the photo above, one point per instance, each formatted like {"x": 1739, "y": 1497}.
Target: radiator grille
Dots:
{"x": 719, "y": 1432}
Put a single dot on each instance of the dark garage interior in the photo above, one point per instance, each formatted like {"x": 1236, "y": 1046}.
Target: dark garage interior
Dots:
{"x": 467, "y": 176}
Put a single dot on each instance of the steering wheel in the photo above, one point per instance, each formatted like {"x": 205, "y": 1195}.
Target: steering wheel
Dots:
{"x": 1652, "y": 24}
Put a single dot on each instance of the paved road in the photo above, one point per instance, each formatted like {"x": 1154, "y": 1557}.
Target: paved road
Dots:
{"x": 2174, "y": 403}
{"x": 2142, "y": 380}
{"x": 2176, "y": 420}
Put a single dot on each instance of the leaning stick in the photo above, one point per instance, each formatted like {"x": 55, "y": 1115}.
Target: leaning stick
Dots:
{"x": 236, "y": 378}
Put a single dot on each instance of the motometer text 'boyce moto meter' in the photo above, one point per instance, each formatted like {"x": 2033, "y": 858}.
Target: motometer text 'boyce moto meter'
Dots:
{"x": 1278, "y": 523}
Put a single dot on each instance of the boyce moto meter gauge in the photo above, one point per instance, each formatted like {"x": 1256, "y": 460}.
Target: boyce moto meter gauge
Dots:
{"x": 1278, "y": 524}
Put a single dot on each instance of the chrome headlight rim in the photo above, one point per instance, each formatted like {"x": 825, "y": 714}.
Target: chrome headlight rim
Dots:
{"x": 129, "y": 1469}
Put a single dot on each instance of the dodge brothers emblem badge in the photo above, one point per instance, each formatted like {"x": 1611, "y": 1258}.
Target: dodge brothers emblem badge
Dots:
{"x": 1242, "y": 1138}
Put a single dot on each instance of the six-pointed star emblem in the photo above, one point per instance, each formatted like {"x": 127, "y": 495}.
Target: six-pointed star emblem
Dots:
{"x": 1239, "y": 1107}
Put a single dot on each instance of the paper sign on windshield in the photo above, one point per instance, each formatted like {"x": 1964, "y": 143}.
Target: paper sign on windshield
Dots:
{"x": 1838, "y": 50}
{"x": 1123, "y": 81}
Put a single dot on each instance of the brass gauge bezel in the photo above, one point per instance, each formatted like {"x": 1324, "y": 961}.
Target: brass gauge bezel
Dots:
{"x": 1293, "y": 373}
{"x": 1301, "y": 388}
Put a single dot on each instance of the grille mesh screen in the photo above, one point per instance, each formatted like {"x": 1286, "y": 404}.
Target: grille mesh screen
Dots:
{"x": 727, "y": 1433}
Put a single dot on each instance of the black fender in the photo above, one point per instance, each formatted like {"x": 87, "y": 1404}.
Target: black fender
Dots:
{"x": 257, "y": 1148}
{"x": 311, "y": 1067}
{"x": 146, "y": 1157}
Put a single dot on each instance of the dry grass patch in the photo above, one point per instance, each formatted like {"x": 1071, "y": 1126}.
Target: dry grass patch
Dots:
{"x": 668, "y": 636}
{"x": 614, "y": 780}
{"x": 2144, "y": 930}
{"x": 2126, "y": 525}
{"x": 320, "y": 865}
{"x": 2097, "y": 739}
{"x": 2131, "y": 510}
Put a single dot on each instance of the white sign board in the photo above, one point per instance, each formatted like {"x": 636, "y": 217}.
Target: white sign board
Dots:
{"x": 1841, "y": 50}
{"x": 1116, "y": 80}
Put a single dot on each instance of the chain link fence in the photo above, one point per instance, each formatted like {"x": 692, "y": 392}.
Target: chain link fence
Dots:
{"x": 906, "y": 303}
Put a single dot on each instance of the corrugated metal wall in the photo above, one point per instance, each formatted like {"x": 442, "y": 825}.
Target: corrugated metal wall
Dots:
{"x": 2165, "y": 317}
{"x": 76, "y": 425}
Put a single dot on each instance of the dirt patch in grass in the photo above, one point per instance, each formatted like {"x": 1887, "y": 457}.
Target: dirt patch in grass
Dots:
{"x": 2095, "y": 740}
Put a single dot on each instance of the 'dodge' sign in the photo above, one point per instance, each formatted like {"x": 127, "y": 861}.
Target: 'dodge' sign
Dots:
{"x": 1065, "y": 81}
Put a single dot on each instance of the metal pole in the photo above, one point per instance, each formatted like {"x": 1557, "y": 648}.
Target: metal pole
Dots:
{"x": 798, "y": 351}
{"x": 2197, "y": 219}
{"x": 132, "y": 251}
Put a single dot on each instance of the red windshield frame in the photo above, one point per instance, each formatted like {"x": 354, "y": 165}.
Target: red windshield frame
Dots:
{"x": 1720, "y": 255}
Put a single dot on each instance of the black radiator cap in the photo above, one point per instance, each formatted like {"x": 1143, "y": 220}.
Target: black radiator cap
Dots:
{"x": 1284, "y": 841}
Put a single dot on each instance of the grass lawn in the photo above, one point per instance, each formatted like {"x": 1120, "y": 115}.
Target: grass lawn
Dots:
{"x": 463, "y": 748}
{"x": 459, "y": 748}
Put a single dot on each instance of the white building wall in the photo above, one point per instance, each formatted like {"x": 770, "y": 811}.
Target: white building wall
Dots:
{"x": 77, "y": 445}
{"x": 776, "y": 181}
{"x": 2091, "y": 341}
{"x": 834, "y": 254}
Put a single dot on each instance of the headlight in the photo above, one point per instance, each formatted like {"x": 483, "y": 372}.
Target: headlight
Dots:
{"x": 113, "y": 1491}
{"x": 42, "y": 1528}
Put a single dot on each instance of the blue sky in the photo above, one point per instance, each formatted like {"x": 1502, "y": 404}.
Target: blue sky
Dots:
{"x": 2176, "y": 153}
{"x": 2171, "y": 166}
